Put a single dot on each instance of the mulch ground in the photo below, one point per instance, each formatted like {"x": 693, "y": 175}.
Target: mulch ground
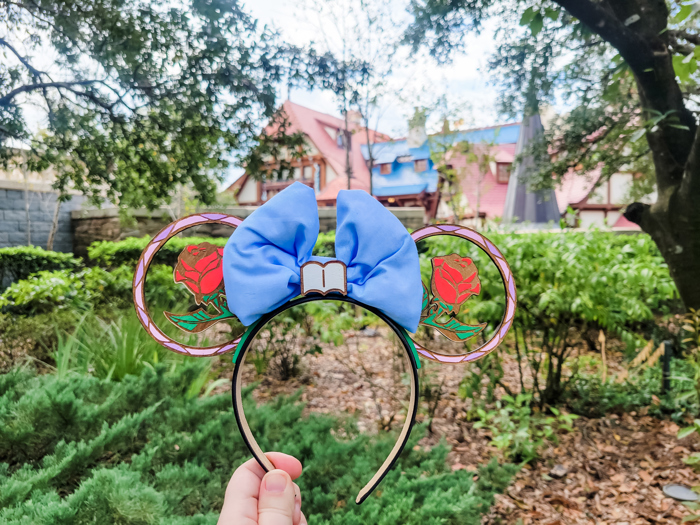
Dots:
{"x": 609, "y": 470}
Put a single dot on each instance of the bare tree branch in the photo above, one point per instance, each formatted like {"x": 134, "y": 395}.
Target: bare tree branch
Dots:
{"x": 34, "y": 71}
{"x": 685, "y": 35}
{"x": 70, "y": 86}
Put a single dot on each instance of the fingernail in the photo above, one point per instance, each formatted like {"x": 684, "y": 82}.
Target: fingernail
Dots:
{"x": 275, "y": 482}
{"x": 296, "y": 517}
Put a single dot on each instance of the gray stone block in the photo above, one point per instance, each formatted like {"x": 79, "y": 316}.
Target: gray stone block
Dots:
{"x": 40, "y": 240}
{"x": 40, "y": 216}
{"x": 18, "y": 238}
{"x": 4, "y": 237}
{"x": 14, "y": 215}
{"x": 64, "y": 236}
{"x": 3, "y": 194}
{"x": 9, "y": 226}
{"x": 63, "y": 247}
{"x": 41, "y": 227}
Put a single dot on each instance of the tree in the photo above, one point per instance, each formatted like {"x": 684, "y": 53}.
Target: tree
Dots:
{"x": 629, "y": 68}
{"x": 359, "y": 33}
{"x": 143, "y": 96}
{"x": 483, "y": 156}
{"x": 273, "y": 151}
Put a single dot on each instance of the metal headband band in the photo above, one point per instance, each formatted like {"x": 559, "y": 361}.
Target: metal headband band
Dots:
{"x": 244, "y": 347}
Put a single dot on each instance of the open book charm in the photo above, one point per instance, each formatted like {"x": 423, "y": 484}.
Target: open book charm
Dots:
{"x": 324, "y": 278}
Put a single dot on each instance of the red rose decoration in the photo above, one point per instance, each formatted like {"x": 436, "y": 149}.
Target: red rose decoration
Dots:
{"x": 455, "y": 279}
{"x": 199, "y": 268}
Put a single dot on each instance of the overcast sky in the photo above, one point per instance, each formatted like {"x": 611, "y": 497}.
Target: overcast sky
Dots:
{"x": 416, "y": 80}
{"x": 464, "y": 80}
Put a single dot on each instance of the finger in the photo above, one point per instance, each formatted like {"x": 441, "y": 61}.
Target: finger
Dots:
{"x": 241, "y": 500}
{"x": 276, "y": 500}
{"x": 296, "y": 517}
{"x": 303, "y": 521}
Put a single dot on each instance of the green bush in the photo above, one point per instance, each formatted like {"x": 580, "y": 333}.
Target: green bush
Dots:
{"x": 518, "y": 431}
{"x": 22, "y": 261}
{"x": 78, "y": 450}
{"x": 569, "y": 284}
{"x": 128, "y": 251}
{"x": 588, "y": 395}
{"x": 45, "y": 292}
{"x": 35, "y": 336}
{"x": 325, "y": 244}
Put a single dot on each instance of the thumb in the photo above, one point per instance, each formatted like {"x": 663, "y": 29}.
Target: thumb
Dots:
{"x": 276, "y": 500}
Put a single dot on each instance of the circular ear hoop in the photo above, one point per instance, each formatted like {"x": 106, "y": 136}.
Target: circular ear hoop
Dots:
{"x": 142, "y": 266}
{"x": 508, "y": 285}
{"x": 244, "y": 346}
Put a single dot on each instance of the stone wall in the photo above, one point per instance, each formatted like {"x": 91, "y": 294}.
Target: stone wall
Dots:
{"x": 27, "y": 216}
{"x": 106, "y": 225}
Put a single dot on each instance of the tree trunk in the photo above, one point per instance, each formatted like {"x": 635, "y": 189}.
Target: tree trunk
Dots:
{"x": 673, "y": 222}
{"x": 54, "y": 224}
{"x": 638, "y": 30}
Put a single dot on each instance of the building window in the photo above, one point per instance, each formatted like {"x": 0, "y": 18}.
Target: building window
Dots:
{"x": 307, "y": 173}
{"x": 503, "y": 172}
{"x": 420, "y": 165}
{"x": 384, "y": 169}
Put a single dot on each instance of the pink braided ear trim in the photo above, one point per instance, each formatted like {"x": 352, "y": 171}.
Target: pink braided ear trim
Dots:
{"x": 508, "y": 285}
{"x": 149, "y": 252}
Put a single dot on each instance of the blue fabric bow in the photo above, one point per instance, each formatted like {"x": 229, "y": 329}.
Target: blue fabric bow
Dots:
{"x": 263, "y": 257}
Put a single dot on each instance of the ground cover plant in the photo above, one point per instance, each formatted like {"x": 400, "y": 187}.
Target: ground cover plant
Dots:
{"x": 534, "y": 396}
{"x": 75, "y": 448}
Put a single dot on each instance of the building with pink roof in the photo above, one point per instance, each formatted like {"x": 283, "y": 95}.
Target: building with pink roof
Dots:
{"x": 324, "y": 167}
{"x": 404, "y": 173}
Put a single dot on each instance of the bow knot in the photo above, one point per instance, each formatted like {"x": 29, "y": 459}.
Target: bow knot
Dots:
{"x": 264, "y": 255}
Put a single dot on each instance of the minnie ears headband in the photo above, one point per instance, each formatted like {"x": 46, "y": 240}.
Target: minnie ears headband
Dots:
{"x": 267, "y": 267}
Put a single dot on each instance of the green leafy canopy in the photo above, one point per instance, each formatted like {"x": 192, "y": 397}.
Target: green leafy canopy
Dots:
{"x": 142, "y": 96}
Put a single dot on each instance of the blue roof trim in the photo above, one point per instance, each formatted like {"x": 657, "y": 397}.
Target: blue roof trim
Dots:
{"x": 410, "y": 189}
{"x": 388, "y": 152}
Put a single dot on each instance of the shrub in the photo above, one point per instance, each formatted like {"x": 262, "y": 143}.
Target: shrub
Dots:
{"x": 325, "y": 244}
{"x": 80, "y": 450}
{"x": 45, "y": 291}
{"x": 34, "y": 336}
{"x": 128, "y": 251}
{"x": 518, "y": 431}
{"x": 568, "y": 284}
{"x": 22, "y": 261}
{"x": 588, "y": 395}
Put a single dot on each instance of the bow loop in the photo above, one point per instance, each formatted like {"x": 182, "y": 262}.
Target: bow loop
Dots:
{"x": 263, "y": 257}
{"x": 382, "y": 259}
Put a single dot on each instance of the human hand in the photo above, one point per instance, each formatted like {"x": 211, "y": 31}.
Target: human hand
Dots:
{"x": 255, "y": 498}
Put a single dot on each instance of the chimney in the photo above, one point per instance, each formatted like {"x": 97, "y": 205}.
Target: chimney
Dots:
{"x": 416, "y": 129}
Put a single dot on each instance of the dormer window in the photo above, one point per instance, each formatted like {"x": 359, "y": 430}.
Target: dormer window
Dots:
{"x": 385, "y": 169}
{"x": 503, "y": 172}
{"x": 420, "y": 166}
